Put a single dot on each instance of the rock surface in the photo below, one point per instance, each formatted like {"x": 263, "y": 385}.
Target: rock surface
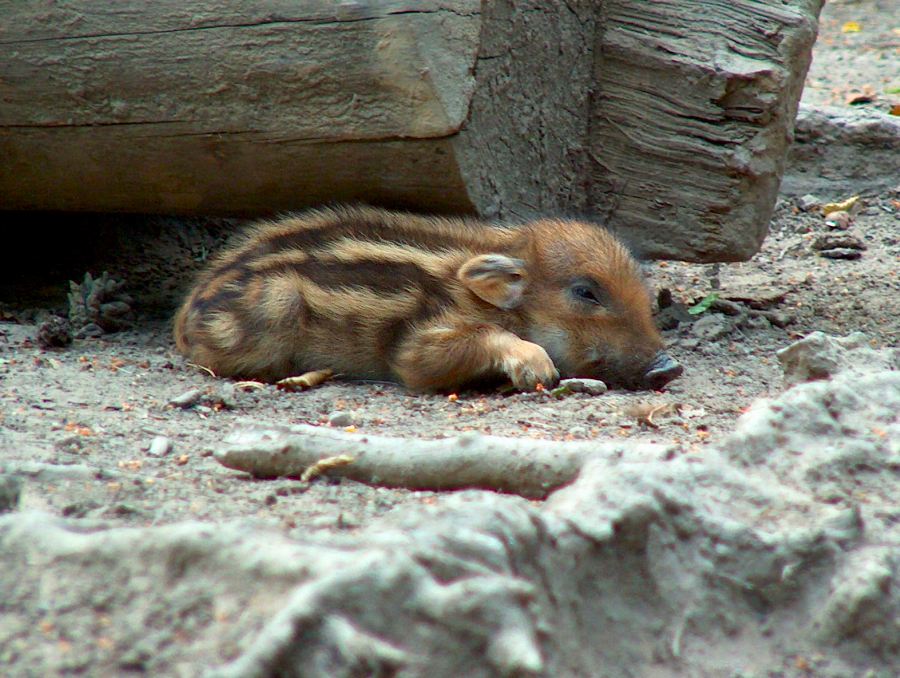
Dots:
{"x": 834, "y": 146}
{"x": 644, "y": 564}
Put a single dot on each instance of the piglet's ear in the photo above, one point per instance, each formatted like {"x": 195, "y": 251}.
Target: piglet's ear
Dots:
{"x": 496, "y": 278}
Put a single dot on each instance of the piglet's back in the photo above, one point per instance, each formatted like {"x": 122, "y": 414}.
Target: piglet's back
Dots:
{"x": 337, "y": 288}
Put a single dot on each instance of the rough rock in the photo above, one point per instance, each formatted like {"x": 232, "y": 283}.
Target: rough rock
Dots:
{"x": 834, "y": 147}
{"x": 98, "y": 304}
{"x": 592, "y": 387}
{"x": 829, "y": 437}
{"x": 819, "y": 356}
{"x": 830, "y": 241}
{"x": 55, "y": 332}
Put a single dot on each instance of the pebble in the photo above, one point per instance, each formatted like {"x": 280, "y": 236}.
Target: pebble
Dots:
{"x": 818, "y": 356}
{"x": 89, "y": 331}
{"x": 830, "y": 241}
{"x": 754, "y": 322}
{"x": 589, "y": 386}
{"x": 809, "y": 202}
{"x": 226, "y": 395}
{"x": 347, "y": 521}
{"x": 711, "y": 326}
{"x": 841, "y": 253}
{"x": 187, "y": 399}
{"x": 838, "y": 221}
{"x": 341, "y": 418}
{"x": 54, "y": 332}
{"x": 160, "y": 446}
{"x": 10, "y": 491}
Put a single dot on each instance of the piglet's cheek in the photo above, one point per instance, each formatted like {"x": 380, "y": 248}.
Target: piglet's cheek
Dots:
{"x": 556, "y": 342}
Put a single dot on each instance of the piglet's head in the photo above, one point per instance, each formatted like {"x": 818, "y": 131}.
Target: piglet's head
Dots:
{"x": 580, "y": 295}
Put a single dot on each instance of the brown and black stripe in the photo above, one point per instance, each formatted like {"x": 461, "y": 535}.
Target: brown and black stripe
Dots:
{"x": 335, "y": 288}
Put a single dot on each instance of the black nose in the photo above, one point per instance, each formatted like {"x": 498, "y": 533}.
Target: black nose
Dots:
{"x": 661, "y": 371}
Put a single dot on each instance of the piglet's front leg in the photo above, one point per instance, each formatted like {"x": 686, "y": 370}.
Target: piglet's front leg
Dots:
{"x": 441, "y": 357}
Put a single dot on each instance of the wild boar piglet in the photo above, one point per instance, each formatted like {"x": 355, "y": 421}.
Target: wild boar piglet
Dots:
{"x": 435, "y": 303}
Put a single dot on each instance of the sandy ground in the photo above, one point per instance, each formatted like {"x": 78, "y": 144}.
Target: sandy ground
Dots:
{"x": 78, "y": 422}
{"x": 100, "y": 402}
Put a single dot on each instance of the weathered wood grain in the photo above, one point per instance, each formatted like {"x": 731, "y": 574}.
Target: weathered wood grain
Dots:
{"x": 668, "y": 120}
{"x": 693, "y": 113}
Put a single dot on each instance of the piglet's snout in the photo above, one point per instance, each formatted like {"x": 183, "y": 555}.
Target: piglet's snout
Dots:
{"x": 661, "y": 371}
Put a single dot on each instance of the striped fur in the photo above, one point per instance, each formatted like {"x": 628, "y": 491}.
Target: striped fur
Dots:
{"x": 434, "y": 303}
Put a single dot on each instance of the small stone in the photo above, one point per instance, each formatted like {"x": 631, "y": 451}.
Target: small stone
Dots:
{"x": 671, "y": 313}
{"x": 847, "y": 527}
{"x": 754, "y": 321}
{"x": 341, "y": 418}
{"x": 347, "y": 521}
{"x": 838, "y": 221}
{"x": 578, "y": 431}
{"x": 820, "y": 356}
{"x": 225, "y": 396}
{"x": 187, "y": 399}
{"x": 55, "y": 332}
{"x": 809, "y": 202}
{"x": 831, "y": 241}
{"x": 592, "y": 387}
{"x": 10, "y": 491}
{"x": 777, "y": 318}
{"x": 816, "y": 356}
{"x": 712, "y": 326}
{"x": 90, "y": 331}
{"x": 841, "y": 253}
{"x": 160, "y": 446}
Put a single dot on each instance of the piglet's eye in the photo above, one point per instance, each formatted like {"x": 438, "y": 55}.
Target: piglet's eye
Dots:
{"x": 588, "y": 292}
{"x": 585, "y": 294}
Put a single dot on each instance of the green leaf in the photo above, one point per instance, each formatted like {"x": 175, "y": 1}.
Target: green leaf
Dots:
{"x": 561, "y": 391}
{"x": 704, "y": 304}
{"x": 892, "y": 90}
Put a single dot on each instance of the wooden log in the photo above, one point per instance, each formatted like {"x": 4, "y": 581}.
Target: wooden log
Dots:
{"x": 694, "y": 112}
{"x": 667, "y": 120}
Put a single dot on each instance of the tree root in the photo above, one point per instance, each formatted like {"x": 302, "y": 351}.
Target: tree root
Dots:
{"x": 527, "y": 467}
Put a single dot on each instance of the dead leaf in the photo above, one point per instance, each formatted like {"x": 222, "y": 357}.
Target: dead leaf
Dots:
{"x": 202, "y": 367}
{"x": 324, "y": 465}
{"x": 644, "y": 413}
{"x": 844, "y": 205}
{"x": 856, "y": 99}
{"x": 249, "y": 385}
{"x": 304, "y": 381}
{"x": 895, "y": 109}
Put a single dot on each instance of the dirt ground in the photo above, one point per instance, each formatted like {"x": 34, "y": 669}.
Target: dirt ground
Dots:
{"x": 78, "y": 422}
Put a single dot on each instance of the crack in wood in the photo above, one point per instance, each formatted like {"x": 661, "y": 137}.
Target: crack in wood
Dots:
{"x": 251, "y": 24}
